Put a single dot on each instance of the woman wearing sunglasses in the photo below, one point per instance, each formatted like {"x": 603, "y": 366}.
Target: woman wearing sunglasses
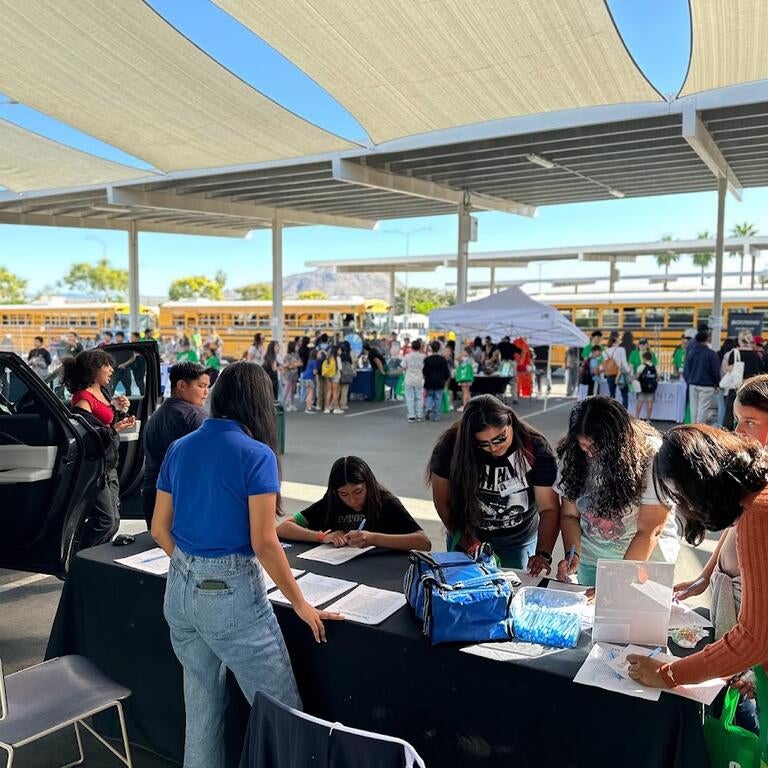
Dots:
{"x": 356, "y": 511}
{"x": 492, "y": 476}
{"x": 610, "y": 507}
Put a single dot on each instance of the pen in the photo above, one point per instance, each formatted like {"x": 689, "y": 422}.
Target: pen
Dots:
{"x": 571, "y": 553}
{"x": 688, "y": 589}
{"x": 654, "y": 652}
{"x": 362, "y": 525}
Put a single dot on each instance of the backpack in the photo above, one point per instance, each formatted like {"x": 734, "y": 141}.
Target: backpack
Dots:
{"x": 328, "y": 370}
{"x": 347, "y": 372}
{"x": 585, "y": 377}
{"x": 649, "y": 379}
{"x": 610, "y": 366}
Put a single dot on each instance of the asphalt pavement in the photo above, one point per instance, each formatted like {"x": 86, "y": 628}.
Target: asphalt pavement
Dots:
{"x": 378, "y": 432}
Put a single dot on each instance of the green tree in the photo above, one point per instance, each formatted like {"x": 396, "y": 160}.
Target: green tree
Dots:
{"x": 101, "y": 281}
{"x": 666, "y": 258}
{"x": 195, "y": 287}
{"x": 256, "y": 292}
{"x": 312, "y": 295}
{"x": 422, "y": 301}
{"x": 221, "y": 278}
{"x": 12, "y": 287}
{"x": 703, "y": 259}
{"x": 745, "y": 230}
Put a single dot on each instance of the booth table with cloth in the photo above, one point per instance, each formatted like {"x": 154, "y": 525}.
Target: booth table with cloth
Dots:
{"x": 668, "y": 405}
{"x": 456, "y": 709}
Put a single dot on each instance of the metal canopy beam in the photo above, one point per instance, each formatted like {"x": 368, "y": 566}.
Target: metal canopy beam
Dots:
{"x": 363, "y": 175}
{"x": 121, "y": 196}
{"x": 124, "y": 225}
{"x": 704, "y": 145}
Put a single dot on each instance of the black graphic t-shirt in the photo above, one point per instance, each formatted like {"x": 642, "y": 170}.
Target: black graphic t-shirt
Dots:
{"x": 394, "y": 517}
{"x": 506, "y": 492}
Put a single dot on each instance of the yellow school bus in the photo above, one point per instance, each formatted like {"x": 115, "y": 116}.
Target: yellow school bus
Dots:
{"x": 661, "y": 318}
{"x": 20, "y": 323}
{"x": 237, "y": 321}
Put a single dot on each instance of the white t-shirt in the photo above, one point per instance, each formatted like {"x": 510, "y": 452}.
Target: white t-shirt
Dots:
{"x": 413, "y": 365}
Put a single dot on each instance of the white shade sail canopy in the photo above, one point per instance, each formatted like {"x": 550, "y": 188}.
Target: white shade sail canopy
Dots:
{"x": 509, "y": 313}
{"x": 29, "y": 161}
{"x": 403, "y": 67}
{"x": 118, "y": 71}
{"x": 728, "y": 44}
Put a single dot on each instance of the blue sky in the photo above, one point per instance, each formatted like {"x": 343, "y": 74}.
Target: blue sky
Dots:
{"x": 657, "y": 33}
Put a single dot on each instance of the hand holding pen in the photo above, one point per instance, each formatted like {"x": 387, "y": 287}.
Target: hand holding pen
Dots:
{"x": 359, "y": 537}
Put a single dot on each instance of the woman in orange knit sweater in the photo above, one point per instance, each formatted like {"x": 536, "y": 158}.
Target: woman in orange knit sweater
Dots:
{"x": 717, "y": 480}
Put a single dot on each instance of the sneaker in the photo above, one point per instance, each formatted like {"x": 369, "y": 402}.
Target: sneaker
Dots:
{"x": 327, "y": 410}
{"x": 337, "y": 410}
{"x": 460, "y": 410}
{"x": 344, "y": 407}
{"x": 309, "y": 411}
{"x": 419, "y": 419}
{"x": 411, "y": 418}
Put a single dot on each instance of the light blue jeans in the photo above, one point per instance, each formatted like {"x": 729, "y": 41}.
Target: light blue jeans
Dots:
{"x": 433, "y": 402}
{"x": 213, "y": 630}
{"x": 414, "y": 402}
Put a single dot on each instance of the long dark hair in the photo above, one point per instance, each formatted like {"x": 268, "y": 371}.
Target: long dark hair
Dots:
{"x": 753, "y": 393}
{"x": 623, "y": 452}
{"x": 707, "y": 473}
{"x": 80, "y": 372}
{"x": 243, "y": 393}
{"x": 628, "y": 342}
{"x": 270, "y": 356}
{"x": 353, "y": 470}
{"x": 481, "y": 412}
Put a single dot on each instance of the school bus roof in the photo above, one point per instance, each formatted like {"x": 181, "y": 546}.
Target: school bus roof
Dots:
{"x": 287, "y": 303}
{"x": 682, "y": 298}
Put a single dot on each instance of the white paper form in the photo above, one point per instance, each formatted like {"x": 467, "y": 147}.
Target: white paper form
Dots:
{"x": 526, "y": 580}
{"x": 510, "y": 650}
{"x": 683, "y": 617}
{"x": 152, "y": 561}
{"x": 327, "y": 553}
{"x": 270, "y": 584}
{"x": 316, "y": 589}
{"x": 596, "y": 672}
{"x": 368, "y": 605}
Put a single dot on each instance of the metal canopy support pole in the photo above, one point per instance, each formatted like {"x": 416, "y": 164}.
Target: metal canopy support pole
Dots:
{"x": 392, "y": 298}
{"x": 277, "y": 278}
{"x": 717, "y": 304}
{"x": 612, "y": 275}
{"x": 133, "y": 277}
{"x": 462, "y": 254}
{"x": 493, "y": 280}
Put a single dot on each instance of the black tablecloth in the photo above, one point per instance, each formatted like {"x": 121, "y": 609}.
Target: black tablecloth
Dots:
{"x": 456, "y": 709}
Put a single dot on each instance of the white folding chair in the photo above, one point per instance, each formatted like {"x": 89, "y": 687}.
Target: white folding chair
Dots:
{"x": 40, "y": 700}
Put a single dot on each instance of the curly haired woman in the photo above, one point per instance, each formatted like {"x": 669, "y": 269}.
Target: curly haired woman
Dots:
{"x": 610, "y": 509}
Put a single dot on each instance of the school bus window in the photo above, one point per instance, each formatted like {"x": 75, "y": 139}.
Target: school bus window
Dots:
{"x": 586, "y": 318}
{"x": 703, "y": 316}
{"x": 610, "y": 318}
{"x": 654, "y": 316}
{"x": 567, "y": 313}
{"x": 680, "y": 317}
{"x": 633, "y": 317}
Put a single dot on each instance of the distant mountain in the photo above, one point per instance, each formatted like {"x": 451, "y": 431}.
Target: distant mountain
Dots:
{"x": 341, "y": 285}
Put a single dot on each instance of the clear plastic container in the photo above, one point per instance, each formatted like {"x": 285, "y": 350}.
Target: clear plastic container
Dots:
{"x": 548, "y": 617}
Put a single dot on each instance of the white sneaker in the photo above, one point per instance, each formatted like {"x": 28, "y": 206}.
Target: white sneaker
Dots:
{"x": 337, "y": 410}
{"x": 327, "y": 410}
{"x": 309, "y": 411}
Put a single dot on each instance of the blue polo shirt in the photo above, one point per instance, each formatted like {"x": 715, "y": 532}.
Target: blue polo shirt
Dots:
{"x": 211, "y": 473}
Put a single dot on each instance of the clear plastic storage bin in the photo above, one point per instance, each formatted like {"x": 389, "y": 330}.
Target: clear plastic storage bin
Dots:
{"x": 548, "y": 617}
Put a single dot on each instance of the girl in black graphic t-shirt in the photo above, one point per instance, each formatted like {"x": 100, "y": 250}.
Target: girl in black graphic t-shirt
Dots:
{"x": 492, "y": 476}
{"x": 356, "y": 511}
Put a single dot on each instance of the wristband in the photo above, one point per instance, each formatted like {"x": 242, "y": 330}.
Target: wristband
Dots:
{"x": 545, "y": 556}
{"x": 320, "y": 535}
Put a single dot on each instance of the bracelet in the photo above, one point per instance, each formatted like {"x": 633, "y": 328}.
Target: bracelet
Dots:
{"x": 545, "y": 556}
{"x": 320, "y": 535}
{"x": 668, "y": 676}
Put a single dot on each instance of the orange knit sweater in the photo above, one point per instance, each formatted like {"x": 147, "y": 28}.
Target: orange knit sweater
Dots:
{"x": 747, "y": 643}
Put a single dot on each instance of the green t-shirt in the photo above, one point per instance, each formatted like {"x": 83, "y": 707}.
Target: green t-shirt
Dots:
{"x": 678, "y": 359}
{"x": 190, "y": 356}
{"x": 213, "y": 362}
{"x": 636, "y": 359}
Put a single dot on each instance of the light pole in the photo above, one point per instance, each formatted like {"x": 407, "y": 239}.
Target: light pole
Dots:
{"x": 407, "y": 235}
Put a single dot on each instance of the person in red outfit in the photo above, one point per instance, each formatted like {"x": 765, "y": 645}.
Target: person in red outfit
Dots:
{"x": 717, "y": 480}
{"x": 87, "y": 376}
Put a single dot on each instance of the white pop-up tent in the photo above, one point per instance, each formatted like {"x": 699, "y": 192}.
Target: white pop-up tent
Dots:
{"x": 510, "y": 313}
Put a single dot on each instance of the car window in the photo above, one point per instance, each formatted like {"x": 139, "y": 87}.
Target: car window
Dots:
{"x": 16, "y": 396}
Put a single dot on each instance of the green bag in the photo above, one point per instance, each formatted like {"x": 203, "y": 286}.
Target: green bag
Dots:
{"x": 400, "y": 386}
{"x": 727, "y": 743}
{"x": 445, "y": 404}
{"x": 465, "y": 373}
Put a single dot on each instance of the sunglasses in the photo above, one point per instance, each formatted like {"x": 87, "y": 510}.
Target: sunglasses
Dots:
{"x": 500, "y": 439}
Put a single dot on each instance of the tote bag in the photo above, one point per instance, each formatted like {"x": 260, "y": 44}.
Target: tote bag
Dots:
{"x": 733, "y": 378}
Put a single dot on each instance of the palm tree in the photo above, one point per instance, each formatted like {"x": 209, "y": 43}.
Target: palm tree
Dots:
{"x": 666, "y": 258}
{"x": 745, "y": 230}
{"x": 703, "y": 259}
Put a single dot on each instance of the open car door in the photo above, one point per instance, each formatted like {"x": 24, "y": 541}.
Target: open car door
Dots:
{"x": 137, "y": 375}
{"x": 51, "y": 462}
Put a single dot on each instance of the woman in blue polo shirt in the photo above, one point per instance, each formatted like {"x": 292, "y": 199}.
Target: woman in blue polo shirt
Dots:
{"x": 217, "y": 497}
